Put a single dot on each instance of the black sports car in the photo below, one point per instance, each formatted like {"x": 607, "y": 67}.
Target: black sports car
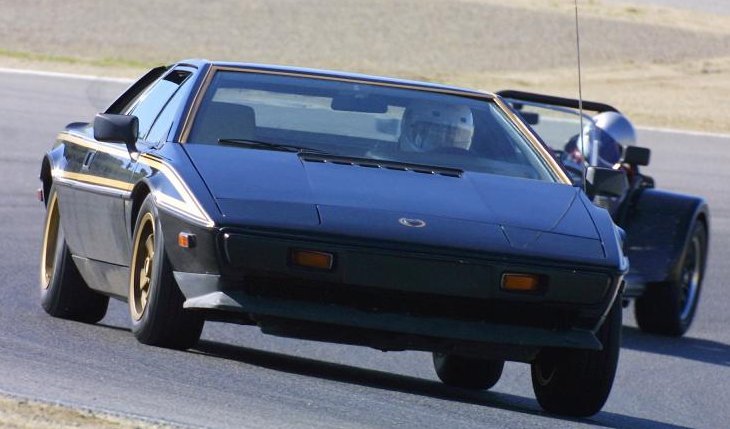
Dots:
{"x": 667, "y": 234}
{"x": 338, "y": 207}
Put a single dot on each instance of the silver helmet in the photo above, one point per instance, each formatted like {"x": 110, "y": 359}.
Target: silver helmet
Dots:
{"x": 617, "y": 126}
{"x": 428, "y": 126}
{"x": 614, "y": 132}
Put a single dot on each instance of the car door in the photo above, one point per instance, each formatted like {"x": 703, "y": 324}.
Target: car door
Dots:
{"x": 106, "y": 232}
{"x": 74, "y": 183}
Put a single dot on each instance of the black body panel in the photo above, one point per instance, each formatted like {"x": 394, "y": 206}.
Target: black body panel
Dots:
{"x": 658, "y": 224}
{"x": 111, "y": 279}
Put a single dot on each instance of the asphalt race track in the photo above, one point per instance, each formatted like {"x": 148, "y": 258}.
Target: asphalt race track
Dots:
{"x": 239, "y": 378}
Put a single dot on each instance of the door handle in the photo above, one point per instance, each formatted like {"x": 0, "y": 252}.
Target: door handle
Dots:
{"x": 88, "y": 159}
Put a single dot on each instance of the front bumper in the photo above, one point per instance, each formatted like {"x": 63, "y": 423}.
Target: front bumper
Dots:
{"x": 429, "y": 301}
{"x": 210, "y": 292}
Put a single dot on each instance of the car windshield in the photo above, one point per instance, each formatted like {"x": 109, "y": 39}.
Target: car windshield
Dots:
{"x": 354, "y": 119}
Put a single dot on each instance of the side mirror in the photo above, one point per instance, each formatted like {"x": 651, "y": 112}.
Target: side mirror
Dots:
{"x": 635, "y": 155}
{"x": 112, "y": 128}
{"x": 606, "y": 182}
{"x": 531, "y": 118}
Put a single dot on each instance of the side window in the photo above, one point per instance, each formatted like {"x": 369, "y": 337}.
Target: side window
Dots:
{"x": 164, "y": 121}
{"x": 149, "y": 105}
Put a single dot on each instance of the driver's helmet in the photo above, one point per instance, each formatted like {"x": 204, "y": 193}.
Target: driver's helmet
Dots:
{"x": 613, "y": 132}
{"x": 428, "y": 126}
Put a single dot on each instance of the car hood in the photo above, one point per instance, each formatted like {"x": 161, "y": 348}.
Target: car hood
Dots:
{"x": 476, "y": 211}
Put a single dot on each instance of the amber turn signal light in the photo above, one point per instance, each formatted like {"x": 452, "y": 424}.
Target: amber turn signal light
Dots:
{"x": 312, "y": 259}
{"x": 186, "y": 240}
{"x": 520, "y": 282}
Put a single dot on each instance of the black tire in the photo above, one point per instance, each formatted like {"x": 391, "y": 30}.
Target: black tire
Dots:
{"x": 158, "y": 317}
{"x": 64, "y": 293}
{"x": 668, "y": 308}
{"x": 577, "y": 382}
{"x": 467, "y": 372}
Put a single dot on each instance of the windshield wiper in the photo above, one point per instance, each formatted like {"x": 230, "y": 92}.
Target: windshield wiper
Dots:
{"x": 270, "y": 146}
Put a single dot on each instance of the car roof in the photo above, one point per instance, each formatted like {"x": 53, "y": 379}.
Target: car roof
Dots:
{"x": 340, "y": 74}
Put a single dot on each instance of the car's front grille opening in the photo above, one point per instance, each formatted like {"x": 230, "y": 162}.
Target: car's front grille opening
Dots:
{"x": 377, "y": 300}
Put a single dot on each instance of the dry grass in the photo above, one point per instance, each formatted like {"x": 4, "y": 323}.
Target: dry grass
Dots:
{"x": 23, "y": 414}
{"x": 627, "y": 12}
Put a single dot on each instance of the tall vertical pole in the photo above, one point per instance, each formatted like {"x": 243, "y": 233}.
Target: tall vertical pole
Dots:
{"x": 581, "y": 136}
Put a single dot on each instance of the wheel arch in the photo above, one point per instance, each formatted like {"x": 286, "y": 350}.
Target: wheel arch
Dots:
{"x": 658, "y": 227}
{"x": 140, "y": 191}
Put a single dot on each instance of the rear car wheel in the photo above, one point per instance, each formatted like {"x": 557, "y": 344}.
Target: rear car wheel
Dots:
{"x": 155, "y": 301}
{"x": 668, "y": 308}
{"x": 578, "y": 382}
{"x": 467, "y": 372}
{"x": 64, "y": 293}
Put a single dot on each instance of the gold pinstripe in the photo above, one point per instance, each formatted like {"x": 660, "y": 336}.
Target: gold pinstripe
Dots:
{"x": 189, "y": 205}
{"x": 99, "y": 181}
{"x": 196, "y": 103}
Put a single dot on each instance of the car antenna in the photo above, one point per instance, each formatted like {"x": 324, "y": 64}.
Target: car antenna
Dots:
{"x": 580, "y": 89}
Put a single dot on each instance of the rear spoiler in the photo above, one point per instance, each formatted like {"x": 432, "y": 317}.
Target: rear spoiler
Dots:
{"x": 555, "y": 101}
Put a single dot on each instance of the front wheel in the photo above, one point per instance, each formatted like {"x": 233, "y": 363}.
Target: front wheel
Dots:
{"x": 467, "y": 372}
{"x": 64, "y": 293}
{"x": 577, "y": 382}
{"x": 155, "y": 301}
{"x": 668, "y": 308}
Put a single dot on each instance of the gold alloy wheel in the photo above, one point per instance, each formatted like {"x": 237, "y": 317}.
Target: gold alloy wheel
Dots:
{"x": 50, "y": 242}
{"x": 142, "y": 266}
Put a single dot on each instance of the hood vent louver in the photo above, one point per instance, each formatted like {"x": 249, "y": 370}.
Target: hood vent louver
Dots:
{"x": 377, "y": 163}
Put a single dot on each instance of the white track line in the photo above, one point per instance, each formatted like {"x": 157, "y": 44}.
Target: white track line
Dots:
{"x": 64, "y": 75}
{"x": 129, "y": 81}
